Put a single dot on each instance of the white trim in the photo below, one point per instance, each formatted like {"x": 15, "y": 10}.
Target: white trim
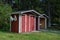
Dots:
{"x": 44, "y": 14}
{"x": 36, "y": 12}
{"x": 30, "y": 11}
{"x": 45, "y": 23}
{"x": 41, "y": 16}
{"x": 20, "y": 23}
{"x": 19, "y": 12}
{"x": 38, "y": 23}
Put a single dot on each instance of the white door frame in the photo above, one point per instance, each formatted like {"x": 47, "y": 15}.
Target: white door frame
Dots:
{"x": 45, "y": 23}
{"x": 38, "y": 23}
{"x": 20, "y": 24}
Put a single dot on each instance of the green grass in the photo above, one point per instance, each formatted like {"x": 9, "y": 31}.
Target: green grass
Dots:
{"x": 29, "y": 36}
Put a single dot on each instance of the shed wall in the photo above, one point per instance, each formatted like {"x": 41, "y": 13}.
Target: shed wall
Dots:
{"x": 27, "y": 22}
{"x": 23, "y": 23}
{"x": 31, "y": 23}
{"x": 14, "y": 24}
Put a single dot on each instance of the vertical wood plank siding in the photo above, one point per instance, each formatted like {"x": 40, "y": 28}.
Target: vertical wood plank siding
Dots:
{"x": 23, "y": 23}
{"x": 14, "y": 24}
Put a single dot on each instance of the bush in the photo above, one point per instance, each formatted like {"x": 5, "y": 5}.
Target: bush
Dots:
{"x": 5, "y": 11}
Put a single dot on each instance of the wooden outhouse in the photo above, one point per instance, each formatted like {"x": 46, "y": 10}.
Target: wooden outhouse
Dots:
{"x": 27, "y": 21}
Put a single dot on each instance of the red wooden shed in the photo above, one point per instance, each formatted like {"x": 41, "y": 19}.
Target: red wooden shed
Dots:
{"x": 27, "y": 21}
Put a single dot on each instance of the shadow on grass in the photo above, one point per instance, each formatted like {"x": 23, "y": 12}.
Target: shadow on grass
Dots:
{"x": 51, "y": 31}
{"x": 5, "y": 31}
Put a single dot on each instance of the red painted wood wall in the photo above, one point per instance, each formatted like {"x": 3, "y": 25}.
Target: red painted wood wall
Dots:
{"x": 14, "y": 24}
{"x": 31, "y": 23}
{"x": 25, "y": 23}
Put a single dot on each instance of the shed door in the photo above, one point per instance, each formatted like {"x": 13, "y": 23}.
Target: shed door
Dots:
{"x": 27, "y": 23}
{"x": 42, "y": 23}
{"x": 31, "y": 23}
{"x": 23, "y": 23}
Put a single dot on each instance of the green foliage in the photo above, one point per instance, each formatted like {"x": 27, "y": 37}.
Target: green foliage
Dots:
{"x": 55, "y": 12}
{"x": 5, "y": 11}
{"x": 39, "y": 10}
{"x": 28, "y": 4}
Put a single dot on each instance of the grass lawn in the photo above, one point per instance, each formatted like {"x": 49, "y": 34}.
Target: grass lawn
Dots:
{"x": 29, "y": 36}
